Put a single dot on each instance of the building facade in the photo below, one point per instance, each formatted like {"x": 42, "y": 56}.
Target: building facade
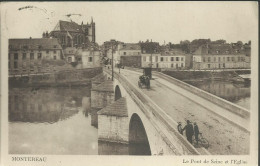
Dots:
{"x": 33, "y": 55}
{"x": 71, "y": 34}
{"x": 88, "y": 58}
{"x": 172, "y": 61}
{"x": 220, "y": 57}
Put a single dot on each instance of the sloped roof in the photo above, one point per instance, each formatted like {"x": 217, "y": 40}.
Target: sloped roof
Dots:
{"x": 118, "y": 108}
{"x": 106, "y": 86}
{"x": 36, "y": 43}
{"x": 131, "y": 46}
{"x": 68, "y": 26}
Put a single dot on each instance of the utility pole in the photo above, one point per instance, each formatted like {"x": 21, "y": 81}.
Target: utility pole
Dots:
{"x": 112, "y": 64}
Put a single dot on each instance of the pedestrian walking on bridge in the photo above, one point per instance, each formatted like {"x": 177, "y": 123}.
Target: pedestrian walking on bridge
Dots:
{"x": 196, "y": 132}
{"x": 189, "y": 131}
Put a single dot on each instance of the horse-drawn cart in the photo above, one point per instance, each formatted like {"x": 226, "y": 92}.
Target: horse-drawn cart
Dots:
{"x": 144, "y": 80}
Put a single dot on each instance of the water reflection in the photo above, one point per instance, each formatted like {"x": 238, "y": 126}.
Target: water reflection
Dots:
{"x": 58, "y": 121}
{"x": 232, "y": 92}
{"x": 43, "y": 106}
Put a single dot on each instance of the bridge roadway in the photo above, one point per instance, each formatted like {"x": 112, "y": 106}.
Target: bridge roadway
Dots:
{"x": 226, "y": 132}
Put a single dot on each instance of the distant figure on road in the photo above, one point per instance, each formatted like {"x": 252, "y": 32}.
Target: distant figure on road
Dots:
{"x": 189, "y": 131}
{"x": 180, "y": 128}
{"x": 196, "y": 132}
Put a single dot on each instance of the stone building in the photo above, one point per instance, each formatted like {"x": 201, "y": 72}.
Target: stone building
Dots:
{"x": 71, "y": 34}
{"x": 32, "y": 55}
{"x": 220, "y": 56}
{"x": 88, "y": 58}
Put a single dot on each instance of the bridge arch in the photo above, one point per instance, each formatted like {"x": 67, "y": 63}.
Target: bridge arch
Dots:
{"x": 138, "y": 141}
{"x": 118, "y": 94}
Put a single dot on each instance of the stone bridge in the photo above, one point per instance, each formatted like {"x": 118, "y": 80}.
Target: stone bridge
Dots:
{"x": 127, "y": 116}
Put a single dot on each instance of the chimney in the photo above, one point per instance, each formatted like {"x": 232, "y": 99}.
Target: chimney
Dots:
{"x": 30, "y": 37}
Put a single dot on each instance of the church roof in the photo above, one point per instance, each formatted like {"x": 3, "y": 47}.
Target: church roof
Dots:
{"x": 68, "y": 26}
{"x": 118, "y": 108}
{"x": 36, "y": 43}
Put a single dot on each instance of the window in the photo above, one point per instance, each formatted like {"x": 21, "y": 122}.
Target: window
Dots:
{"x": 228, "y": 58}
{"x": 55, "y": 46}
{"x": 39, "y": 55}
{"x": 54, "y": 57}
{"x": 208, "y": 65}
{"x": 24, "y": 56}
{"x": 219, "y": 59}
{"x": 15, "y": 65}
{"x": 54, "y": 51}
{"x": 204, "y": 59}
{"x": 124, "y": 53}
{"x": 39, "y": 47}
{"x": 181, "y": 64}
{"x": 69, "y": 59}
{"x": 214, "y": 59}
{"x": 90, "y": 59}
{"x": 172, "y": 65}
{"x": 177, "y": 58}
{"x": 181, "y": 58}
{"x": 232, "y": 58}
{"x": 208, "y": 59}
{"x": 161, "y": 58}
{"x": 171, "y": 58}
{"x": 144, "y": 58}
{"x": 156, "y": 58}
{"x": 31, "y": 55}
{"x": 15, "y": 56}
{"x": 224, "y": 59}
{"x": 166, "y": 59}
{"x": 47, "y": 52}
{"x": 10, "y": 46}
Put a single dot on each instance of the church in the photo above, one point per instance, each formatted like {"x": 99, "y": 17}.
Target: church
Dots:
{"x": 71, "y": 34}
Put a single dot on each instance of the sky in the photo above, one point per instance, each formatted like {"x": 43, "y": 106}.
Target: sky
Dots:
{"x": 134, "y": 21}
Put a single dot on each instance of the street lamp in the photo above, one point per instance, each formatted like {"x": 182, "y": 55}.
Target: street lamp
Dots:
{"x": 112, "y": 42}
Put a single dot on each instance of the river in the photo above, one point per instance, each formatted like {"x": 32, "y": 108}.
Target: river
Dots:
{"x": 236, "y": 93}
{"x": 56, "y": 121}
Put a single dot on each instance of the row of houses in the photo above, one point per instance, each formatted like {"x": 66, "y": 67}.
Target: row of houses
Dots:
{"x": 29, "y": 56}
{"x": 209, "y": 56}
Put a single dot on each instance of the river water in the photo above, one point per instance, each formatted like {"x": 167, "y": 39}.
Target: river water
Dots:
{"x": 55, "y": 121}
{"x": 237, "y": 93}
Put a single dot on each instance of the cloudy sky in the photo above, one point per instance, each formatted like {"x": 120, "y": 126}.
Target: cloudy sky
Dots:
{"x": 134, "y": 21}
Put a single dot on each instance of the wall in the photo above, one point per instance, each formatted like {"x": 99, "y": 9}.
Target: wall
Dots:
{"x": 113, "y": 128}
{"x": 131, "y": 61}
{"x": 80, "y": 76}
{"x": 34, "y": 65}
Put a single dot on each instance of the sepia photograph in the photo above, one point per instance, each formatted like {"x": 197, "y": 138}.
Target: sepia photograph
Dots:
{"x": 129, "y": 79}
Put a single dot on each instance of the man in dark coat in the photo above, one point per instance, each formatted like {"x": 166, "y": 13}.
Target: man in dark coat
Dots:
{"x": 196, "y": 132}
{"x": 189, "y": 131}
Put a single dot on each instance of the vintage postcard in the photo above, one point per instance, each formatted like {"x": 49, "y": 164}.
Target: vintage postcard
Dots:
{"x": 129, "y": 83}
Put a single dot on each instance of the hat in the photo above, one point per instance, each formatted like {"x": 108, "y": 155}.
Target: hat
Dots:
{"x": 188, "y": 121}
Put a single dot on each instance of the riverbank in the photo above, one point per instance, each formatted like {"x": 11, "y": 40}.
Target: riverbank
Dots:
{"x": 77, "y": 77}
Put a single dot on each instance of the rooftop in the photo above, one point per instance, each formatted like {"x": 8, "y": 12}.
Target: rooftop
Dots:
{"x": 118, "y": 108}
{"x": 106, "y": 86}
{"x": 36, "y": 43}
{"x": 130, "y": 46}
